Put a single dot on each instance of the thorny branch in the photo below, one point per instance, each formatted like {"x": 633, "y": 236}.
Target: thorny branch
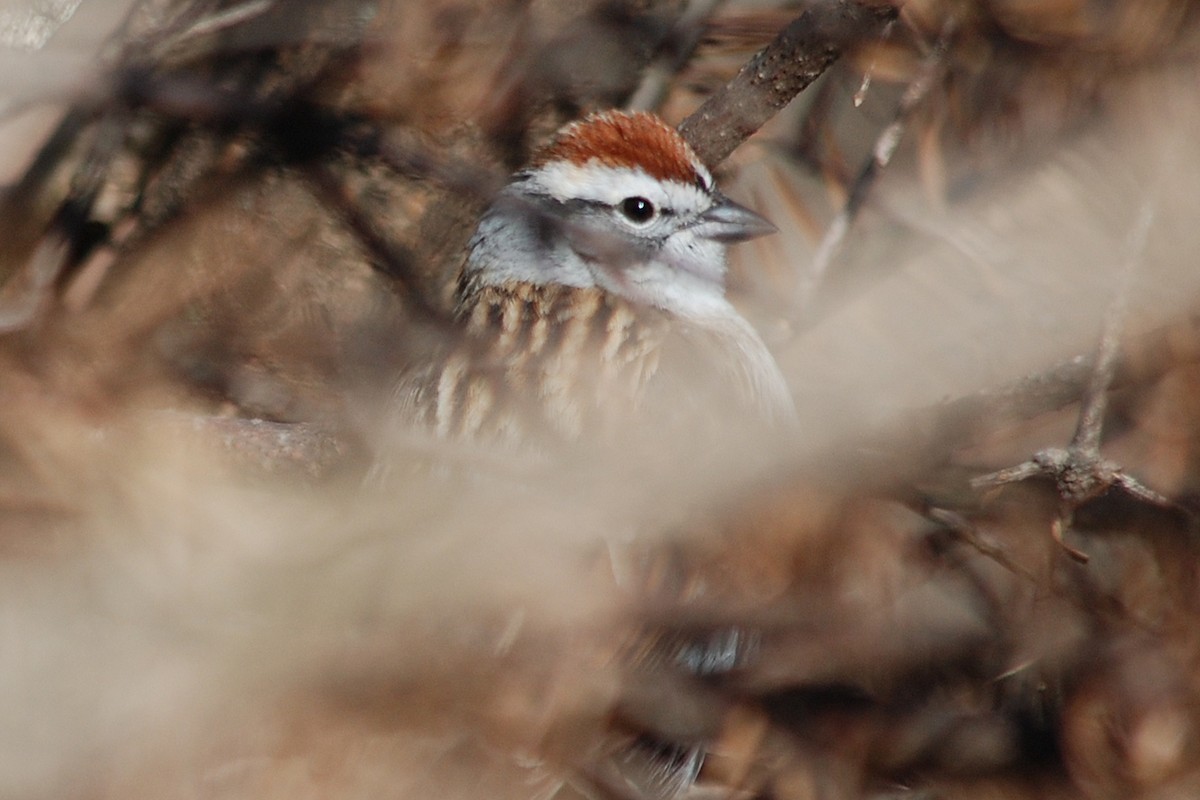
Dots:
{"x": 1079, "y": 471}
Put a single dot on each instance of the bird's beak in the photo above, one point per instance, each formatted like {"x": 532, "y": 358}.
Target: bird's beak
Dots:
{"x": 729, "y": 222}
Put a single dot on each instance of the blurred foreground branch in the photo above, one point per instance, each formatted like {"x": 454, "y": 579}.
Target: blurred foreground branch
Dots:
{"x": 962, "y": 421}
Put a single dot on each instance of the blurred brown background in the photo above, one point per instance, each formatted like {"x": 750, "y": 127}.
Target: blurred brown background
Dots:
{"x": 225, "y": 227}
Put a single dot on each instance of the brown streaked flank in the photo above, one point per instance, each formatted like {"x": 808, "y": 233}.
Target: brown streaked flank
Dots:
{"x": 631, "y": 140}
{"x": 533, "y": 376}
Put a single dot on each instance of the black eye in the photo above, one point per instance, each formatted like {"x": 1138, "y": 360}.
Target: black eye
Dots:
{"x": 637, "y": 209}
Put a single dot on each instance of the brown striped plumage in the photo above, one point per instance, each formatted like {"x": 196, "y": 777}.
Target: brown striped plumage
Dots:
{"x": 544, "y": 361}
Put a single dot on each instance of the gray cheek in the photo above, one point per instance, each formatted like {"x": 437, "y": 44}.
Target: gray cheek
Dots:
{"x": 511, "y": 244}
{"x": 699, "y": 256}
{"x": 502, "y": 249}
{"x": 595, "y": 239}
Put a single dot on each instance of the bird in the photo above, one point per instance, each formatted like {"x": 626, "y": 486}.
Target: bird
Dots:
{"x": 593, "y": 298}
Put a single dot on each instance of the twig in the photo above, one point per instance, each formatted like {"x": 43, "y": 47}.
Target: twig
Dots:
{"x": 387, "y": 256}
{"x": 24, "y": 295}
{"x": 770, "y": 80}
{"x": 1095, "y": 401}
{"x": 1079, "y": 471}
{"x": 881, "y": 156}
{"x": 683, "y": 39}
{"x": 270, "y": 447}
{"x": 965, "y": 531}
{"x": 27, "y": 291}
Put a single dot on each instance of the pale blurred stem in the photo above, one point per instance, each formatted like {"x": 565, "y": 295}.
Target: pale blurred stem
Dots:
{"x": 881, "y": 155}
{"x": 773, "y": 77}
{"x": 1095, "y": 400}
{"x": 964, "y": 420}
{"x": 685, "y": 36}
{"x": 25, "y": 293}
{"x": 24, "y": 206}
{"x": 300, "y": 448}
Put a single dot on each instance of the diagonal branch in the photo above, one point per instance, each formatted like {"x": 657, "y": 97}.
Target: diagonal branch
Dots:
{"x": 770, "y": 80}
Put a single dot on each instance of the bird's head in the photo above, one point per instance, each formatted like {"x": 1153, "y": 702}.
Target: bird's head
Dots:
{"x": 621, "y": 202}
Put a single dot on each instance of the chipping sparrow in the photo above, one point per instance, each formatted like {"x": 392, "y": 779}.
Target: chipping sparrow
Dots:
{"x": 594, "y": 294}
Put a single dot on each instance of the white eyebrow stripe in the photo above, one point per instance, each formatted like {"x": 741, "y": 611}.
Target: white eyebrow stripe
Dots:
{"x": 597, "y": 183}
